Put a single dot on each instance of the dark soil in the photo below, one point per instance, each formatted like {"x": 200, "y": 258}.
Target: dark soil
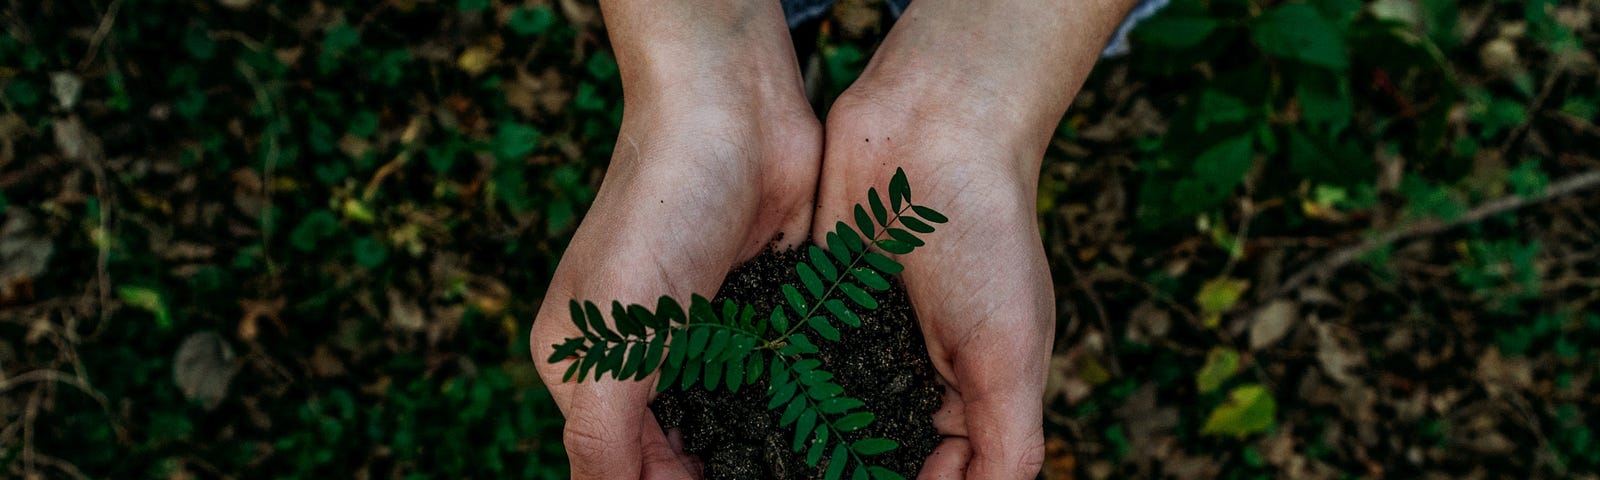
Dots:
{"x": 883, "y": 362}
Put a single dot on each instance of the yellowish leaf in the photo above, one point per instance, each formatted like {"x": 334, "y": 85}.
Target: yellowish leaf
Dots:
{"x": 475, "y": 60}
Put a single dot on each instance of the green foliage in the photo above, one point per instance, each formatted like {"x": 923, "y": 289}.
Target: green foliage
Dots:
{"x": 1274, "y": 121}
{"x": 1221, "y": 364}
{"x": 1250, "y": 409}
{"x": 149, "y": 300}
{"x": 731, "y": 345}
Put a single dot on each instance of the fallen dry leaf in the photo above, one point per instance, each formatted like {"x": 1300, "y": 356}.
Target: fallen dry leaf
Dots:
{"x": 24, "y": 252}
{"x": 1338, "y": 352}
{"x": 203, "y": 367}
{"x": 1272, "y": 322}
{"x": 404, "y": 314}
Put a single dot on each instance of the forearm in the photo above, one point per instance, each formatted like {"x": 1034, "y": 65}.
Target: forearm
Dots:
{"x": 1007, "y": 65}
{"x": 701, "y": 49}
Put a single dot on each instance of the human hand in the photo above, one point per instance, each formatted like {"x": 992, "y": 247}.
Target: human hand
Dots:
{"x": 981, "y": 287}
{"x": 708, "y": 169}
{"x": 964, "y": 96}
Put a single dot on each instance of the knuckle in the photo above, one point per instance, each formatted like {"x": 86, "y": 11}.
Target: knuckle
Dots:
{"x": 586, "y": 441}
{"x": 1031, "y": 459}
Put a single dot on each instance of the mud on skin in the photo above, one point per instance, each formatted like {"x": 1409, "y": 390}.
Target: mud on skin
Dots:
{"x": 883, "y": 362}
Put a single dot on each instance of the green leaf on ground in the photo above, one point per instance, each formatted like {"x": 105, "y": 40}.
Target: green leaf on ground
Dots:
{"x": 1250, "y": 409}
{"x": 1299, "y": 31}
{"x": 1221, "y": 363}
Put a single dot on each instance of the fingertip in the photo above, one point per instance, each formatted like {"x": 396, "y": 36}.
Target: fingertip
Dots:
{"x": 1019, "y": 460}
{"x": 948, "y": 461}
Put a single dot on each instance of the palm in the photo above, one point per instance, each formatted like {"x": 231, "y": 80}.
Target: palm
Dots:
{"x": 981, "y": 287}
{"x": 678, "y": 208}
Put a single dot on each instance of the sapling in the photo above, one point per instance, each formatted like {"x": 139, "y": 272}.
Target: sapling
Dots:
{"x": 732, "y": 345}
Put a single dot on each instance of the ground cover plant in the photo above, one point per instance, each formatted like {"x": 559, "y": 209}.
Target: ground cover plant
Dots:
{"x": 268, "y": 238}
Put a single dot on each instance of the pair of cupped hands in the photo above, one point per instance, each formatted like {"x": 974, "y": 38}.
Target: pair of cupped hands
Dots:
{"x": 719, "y": 154}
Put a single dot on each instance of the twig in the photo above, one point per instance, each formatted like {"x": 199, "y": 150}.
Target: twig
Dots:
{"x": 69, "y": 469}
{"x": 1527, "y": 120}
{"x": 1332, "y": 263}
{"x": 100, "y": 32}
{"x": 1087, "y": 285}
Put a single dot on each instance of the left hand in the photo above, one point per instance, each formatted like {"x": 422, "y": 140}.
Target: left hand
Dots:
{"x": 981, "y": 286}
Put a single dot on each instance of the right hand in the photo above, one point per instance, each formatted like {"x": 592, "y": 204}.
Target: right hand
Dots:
{"x": 697, "y": 184}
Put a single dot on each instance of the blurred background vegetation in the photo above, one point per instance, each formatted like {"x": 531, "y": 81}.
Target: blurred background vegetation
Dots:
{"x": 306, "y": 238}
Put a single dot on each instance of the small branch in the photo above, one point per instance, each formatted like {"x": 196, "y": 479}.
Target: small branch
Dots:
{"x": 1339, "y": 259}
{"x": 100, "y": 33}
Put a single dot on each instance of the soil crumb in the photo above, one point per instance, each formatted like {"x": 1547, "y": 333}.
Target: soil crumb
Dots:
{"x": 883, "y": 362}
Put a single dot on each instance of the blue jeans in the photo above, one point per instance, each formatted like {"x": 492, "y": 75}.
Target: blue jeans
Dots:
{"x": 801, "y": 11}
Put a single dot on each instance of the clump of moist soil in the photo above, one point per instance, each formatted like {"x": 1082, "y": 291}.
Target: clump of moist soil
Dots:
{"x": 883, "y": 362}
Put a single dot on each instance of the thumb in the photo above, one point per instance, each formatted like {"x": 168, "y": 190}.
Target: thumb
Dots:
{"x": 603, "y": 432}
{"x": 1001, "y": 392}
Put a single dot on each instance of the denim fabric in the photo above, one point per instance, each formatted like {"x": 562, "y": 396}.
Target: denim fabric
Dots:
{"x": 802, "y": 11}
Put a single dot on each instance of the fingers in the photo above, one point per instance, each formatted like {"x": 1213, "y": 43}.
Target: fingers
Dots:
{"x": 604, "y": 433}
{"x": 660, "y": 460}
{"x": 949, "y": 460}
{"x": 1000, "y": 390}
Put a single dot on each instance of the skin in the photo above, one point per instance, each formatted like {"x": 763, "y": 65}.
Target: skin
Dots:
{"x": 719, "y": 153}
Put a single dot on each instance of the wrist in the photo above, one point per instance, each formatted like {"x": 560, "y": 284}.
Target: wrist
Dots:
{"x": 734, "y": 51}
